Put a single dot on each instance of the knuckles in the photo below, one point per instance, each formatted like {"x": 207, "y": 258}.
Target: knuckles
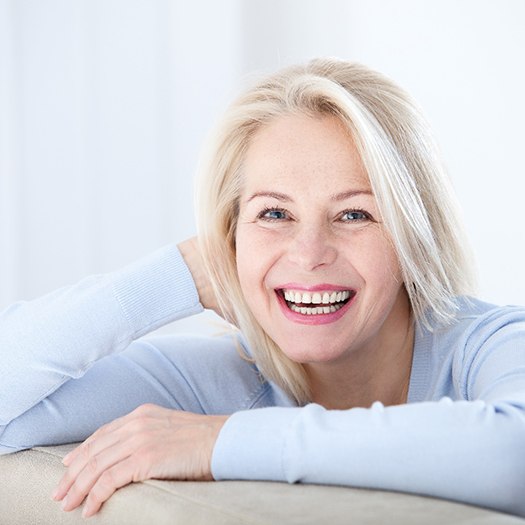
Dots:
{"x": 146, "y": 410}
{"x": 85, "y": 452}
{"x": 92, "y": 465}
{"x": 139, "y": 428}
{"x": 104, "y": 486}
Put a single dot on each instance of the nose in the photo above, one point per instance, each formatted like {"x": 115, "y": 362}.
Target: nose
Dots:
{"x": 311, "y": 247}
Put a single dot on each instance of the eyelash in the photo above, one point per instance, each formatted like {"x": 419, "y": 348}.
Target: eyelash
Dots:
{"x": 262, "y": 214}
{"x": 367, "y": 215}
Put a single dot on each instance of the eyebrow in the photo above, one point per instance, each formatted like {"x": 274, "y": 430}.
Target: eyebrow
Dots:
{"x": 337, "y": 197}
{"x": 273, "y": 194}
{"x": 349, "y": 194}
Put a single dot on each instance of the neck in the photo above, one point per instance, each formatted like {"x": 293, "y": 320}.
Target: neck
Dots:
{"x": 378, "y": 371}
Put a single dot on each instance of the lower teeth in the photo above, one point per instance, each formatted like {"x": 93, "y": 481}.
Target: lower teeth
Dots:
{"x": 314, "y": 311}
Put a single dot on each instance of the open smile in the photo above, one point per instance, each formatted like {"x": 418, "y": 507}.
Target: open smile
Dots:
{"x": 320, "y": 306}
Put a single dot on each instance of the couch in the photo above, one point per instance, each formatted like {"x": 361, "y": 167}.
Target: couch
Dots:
{"x": 27, "y": 479}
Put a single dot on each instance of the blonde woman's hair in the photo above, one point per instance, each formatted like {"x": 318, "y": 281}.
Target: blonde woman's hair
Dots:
{"x": 413, "y": 194}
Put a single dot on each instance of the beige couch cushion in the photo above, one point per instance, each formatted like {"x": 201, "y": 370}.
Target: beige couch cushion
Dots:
{"x": 28, "y": 478}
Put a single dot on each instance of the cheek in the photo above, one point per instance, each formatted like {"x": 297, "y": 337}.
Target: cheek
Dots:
{"x": 379, "y": 266}
{"x": 252, "y": 260}
{"x": 392, "y": 269}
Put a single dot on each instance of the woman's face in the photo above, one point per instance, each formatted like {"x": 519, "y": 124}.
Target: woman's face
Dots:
{"x": 315, "y": 264}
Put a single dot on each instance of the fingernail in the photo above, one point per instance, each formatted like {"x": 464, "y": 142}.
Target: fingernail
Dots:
{"x": 85, "y": 512}
{"x": 64, "y": 504}
{"x": 55, "y": 494}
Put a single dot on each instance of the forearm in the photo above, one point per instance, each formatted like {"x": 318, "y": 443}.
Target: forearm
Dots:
{"x": 466, "y": 451}
{"x": 59, "y": 336}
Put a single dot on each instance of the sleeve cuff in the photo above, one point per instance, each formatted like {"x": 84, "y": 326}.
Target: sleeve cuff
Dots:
{"x": 157, "y": 290}
{"x": 251, "y": 445}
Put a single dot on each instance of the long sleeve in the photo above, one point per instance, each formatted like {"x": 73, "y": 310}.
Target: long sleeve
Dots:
{"x": 46, "y": 342}
{"x": 469, "y": 448}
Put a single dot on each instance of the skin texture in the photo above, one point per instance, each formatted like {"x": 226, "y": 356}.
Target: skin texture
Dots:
{"x": 307, "y": 216}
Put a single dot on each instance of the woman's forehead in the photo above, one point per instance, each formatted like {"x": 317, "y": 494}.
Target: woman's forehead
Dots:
{"x": 317, "y": 152}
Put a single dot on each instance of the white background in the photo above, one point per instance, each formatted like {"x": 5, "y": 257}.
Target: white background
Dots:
{"x": 104, "y": 105}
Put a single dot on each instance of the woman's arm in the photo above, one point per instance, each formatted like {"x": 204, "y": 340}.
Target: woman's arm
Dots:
{"x": 468, "y": 450}
{"x": 464, "y": 451}
{"x": 48, "y": 341}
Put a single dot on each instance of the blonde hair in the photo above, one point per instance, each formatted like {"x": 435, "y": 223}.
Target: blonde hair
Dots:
{"x": 413, "y": 193}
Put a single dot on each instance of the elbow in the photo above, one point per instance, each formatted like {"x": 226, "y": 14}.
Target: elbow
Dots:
{"x": 7, "y": 449}
{"x": 4, "y": 447}
{"x": 14, "y": 437}
{"x": 503, "y": 482}
{"x": 509, "y": 479}
{"x": 507, "y": 485}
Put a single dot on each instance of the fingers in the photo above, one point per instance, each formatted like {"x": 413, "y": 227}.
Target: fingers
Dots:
{"x": 111, "y": 479}
{"x": 85, "y": 456}
{"x": 93, "y": 461}
{"x": 100, "y": 488}
{"x": 83, "y": 475}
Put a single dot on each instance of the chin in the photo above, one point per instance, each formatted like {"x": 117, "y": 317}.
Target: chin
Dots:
{"x": 312, "y": 355}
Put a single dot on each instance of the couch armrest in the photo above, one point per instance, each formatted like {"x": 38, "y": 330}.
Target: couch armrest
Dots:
{"x": 28, "y": 478}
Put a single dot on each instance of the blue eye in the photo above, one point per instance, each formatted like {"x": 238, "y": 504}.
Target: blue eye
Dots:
{"x": 355, "y": 216}
{"x": 273, "y": 214}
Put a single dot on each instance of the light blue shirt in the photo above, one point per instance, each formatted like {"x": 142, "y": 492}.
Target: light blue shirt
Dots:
{"x": 75, "y": 359}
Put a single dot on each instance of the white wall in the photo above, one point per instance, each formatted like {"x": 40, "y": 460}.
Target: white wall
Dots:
{"x": 104, "y": 105}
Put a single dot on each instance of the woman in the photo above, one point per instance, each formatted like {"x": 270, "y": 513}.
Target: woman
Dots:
{"x": 329, "y": 236}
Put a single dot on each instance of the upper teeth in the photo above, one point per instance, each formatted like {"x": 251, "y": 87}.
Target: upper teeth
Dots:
{"x": 316, "y": 297}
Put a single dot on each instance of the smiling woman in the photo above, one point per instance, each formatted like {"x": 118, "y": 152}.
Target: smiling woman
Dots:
{"x": 329, "y": 237}
{"x": 338, "y": 130}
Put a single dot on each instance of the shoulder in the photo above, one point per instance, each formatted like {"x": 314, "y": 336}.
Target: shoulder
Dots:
{"x": 477, "y": 321}
{"x": 483, "y": 339}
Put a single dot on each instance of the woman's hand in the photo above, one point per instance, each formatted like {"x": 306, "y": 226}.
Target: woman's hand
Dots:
{"x": 150, "y": 442}
{"x": 190, "y": 251}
